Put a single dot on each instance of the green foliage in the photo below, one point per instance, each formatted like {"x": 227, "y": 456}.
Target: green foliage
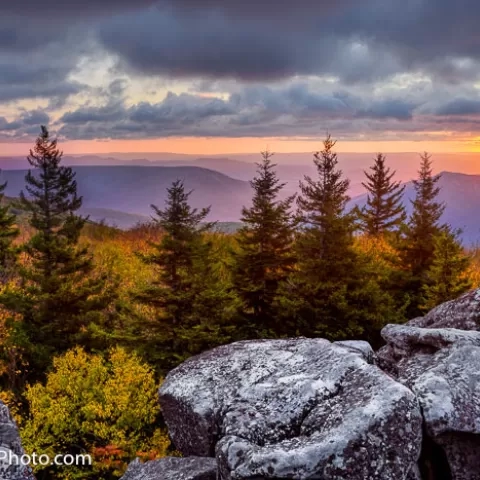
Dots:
{"x": 177, "y": 286}
{"x": 446, "y": 277}
{"x": 106, "y": 408}
{"x": 60, "y": 294}
{"x": 384, "y": 210}
{"x": 333, "y": 293}
{"x": 417, "y": 243}
{"x": 8, "y": 233}
{"x": 265, "y": 256}
{"x": 189, "y": 303}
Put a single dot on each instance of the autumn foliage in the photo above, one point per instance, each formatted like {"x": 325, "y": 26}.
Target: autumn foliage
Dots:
{"x": 92, "y": 317}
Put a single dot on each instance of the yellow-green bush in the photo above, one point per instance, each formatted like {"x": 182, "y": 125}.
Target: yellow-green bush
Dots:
{"x": 107, "y": 408}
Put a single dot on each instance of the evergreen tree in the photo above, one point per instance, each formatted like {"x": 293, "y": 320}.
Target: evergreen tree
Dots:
{"x": 446, "y": 277}
{"x": 59, "y": 294}
{"x": 187, "y": 302}
{"x": 265, "y": 257}
{"x": 333, "y": 292}
{"x": 8, "y": 233}
{"x": 417, "y": 244}
{"x": 384, "y": 210}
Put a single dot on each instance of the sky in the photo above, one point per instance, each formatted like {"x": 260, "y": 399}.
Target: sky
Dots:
{"x": 226, "y": 76}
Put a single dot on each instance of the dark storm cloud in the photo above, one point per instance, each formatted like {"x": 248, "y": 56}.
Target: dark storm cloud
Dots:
{"x": 262, "y": 40}
{"x": 37, "y": 60}
{"x": 396, "y": 109}
{"x": 247, "y": 43}
{"x": 258, "y": 40}
{"x": 70, "y": 9}
{"x": 459, "y": 106}
{"x": 37, "y": 76}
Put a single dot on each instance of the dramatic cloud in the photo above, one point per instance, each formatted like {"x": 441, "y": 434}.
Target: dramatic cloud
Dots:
{"x": 25, "y": 126}
{"x": 254, "y": 67}
{"x": 357, "y": 41}
{"x": 252, "y": 111}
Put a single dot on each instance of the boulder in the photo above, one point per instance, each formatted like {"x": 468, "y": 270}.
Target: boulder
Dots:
{"x": 298, "y": 408}
{"x": 173, "y": 468}
{"x": 407, "y": 341}
{"x": 11, "y": 451}
{"x": 442, "y": 367}
{"x": 463, "y": 313}
{"x": 447, "y": 385}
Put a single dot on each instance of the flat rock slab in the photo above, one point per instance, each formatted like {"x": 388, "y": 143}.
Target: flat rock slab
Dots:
{"x": 11, "y": 448}
{"x": 173, "y": 468}
{"x": 298, "y": 409}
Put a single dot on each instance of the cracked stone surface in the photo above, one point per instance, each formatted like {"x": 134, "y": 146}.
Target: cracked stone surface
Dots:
{"x": 441, "y": 365}
{"x": 173, "y": 468}
{"x": 11, "y": 448}
{"x": 298, "y": 409}
{"x": 462, "y": 313}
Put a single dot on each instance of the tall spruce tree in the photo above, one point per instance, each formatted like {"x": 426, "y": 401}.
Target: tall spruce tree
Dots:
{"x": 187, "y": 300}
{"x": 417, "y": 246}
{"x": 446, "y": 277}
{"x": 59, "y": 294}
{"x": 333, "y": 292}
{"x": 8, "y": 233}
{"x": 265, "y": 257}
{"x": 384, "y": 211}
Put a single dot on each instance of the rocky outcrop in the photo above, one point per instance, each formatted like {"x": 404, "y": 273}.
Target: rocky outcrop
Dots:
{"x": 11, "y": 450}
{"x": 463, "y": 313}
{"x": 441, "y": 365}
{"x": 173, "y": 469}
{"x": 299, "y": 408}
{"x": 308, "y": 409}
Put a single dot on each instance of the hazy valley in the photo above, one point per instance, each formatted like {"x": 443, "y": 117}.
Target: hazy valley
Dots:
{"x": 122, "y": 191}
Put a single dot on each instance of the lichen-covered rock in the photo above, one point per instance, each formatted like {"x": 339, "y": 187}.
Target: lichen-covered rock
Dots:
{"x": 447, "y": 385}
{"x": 11, "y": 451}
{"x": 463, "y": 313}
{"x": 299, "y": 408}
{"x": 407, "y": 341}
{"x": 408, "y": 338}
{"x": 359, "y": 346}
{"x": 172, "y": 468}
{"x": 441, "y": 365}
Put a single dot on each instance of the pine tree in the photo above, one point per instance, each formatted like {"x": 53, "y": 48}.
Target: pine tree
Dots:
{"x": 446, "y": 277}
{"x": 187, "y": 301}
{"x": 8, "y": 233}
{"x": 384, "y": 210}
{"x": 265, "y": 257}
{"x": 333, "y": 293}
{"x": 417, "y": 245}
{"x": 59, "y": 295}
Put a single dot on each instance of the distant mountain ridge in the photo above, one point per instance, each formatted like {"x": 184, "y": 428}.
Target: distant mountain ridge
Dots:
{"x": 291, "y": 167}
{"x": 122, "y": 195}
{"x": 132, "y": 189}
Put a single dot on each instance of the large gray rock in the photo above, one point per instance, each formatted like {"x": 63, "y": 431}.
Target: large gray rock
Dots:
{"x": 408, "y": 342}
{"x": 172, "y": 468}
{"x": 299, "y": 408}
{"x": 463, "y": 313}
{"x": 11, "y": 451}
{"x": 442, "y": 367}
